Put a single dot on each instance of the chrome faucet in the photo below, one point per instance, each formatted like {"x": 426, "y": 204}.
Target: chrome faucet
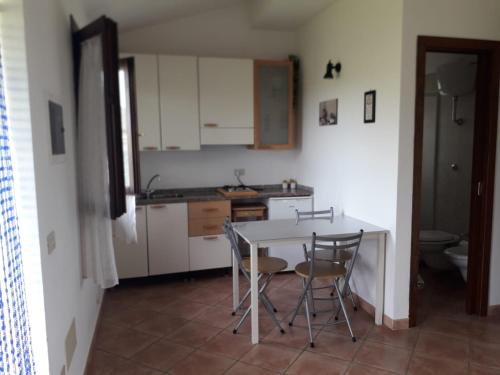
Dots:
{"x": 150, "y": 191}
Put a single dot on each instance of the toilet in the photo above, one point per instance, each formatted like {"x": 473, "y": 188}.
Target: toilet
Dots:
{"x": 458, "y": 256}
{"x": 432, "y": 246}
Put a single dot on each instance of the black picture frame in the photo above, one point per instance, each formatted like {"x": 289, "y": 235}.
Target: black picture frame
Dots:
{"x": 370, "y": 106}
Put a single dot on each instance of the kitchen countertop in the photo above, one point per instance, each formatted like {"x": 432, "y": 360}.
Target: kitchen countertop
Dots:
{"x": 211, "y": 194}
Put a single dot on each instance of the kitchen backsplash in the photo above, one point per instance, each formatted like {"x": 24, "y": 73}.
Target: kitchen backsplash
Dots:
{"x": 214, "y": 166}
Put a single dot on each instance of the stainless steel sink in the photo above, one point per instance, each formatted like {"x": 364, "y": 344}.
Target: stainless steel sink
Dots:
{"x": 160, "y": 195}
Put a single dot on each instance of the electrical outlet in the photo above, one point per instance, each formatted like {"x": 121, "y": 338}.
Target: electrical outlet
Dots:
{"x": 239, "y": 172}
{"x": 51, "y": 242}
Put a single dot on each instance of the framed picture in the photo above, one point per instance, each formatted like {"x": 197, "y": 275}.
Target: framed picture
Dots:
{"x": 370, "y": 100}
{"x": 328, "y": 112}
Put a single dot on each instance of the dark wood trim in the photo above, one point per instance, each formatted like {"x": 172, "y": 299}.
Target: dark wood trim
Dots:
{"x": 291, "y": 112}
{"x": 108, "y": 31}
{"x": 129, "y": 64}
{"x": 485, "y": 130}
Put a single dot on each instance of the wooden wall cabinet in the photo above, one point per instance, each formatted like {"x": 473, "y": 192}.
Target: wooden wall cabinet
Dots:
{"x": 178, "y": 77}
{"x": 274, "y": 112}
{"x": 226, "y": 101}
{"x": 132, "y": 259}
{"x": 168, "y": 238}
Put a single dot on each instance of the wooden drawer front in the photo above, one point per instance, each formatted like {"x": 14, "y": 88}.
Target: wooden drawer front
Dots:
{"x": 208, "y": 252}
{"x": 202, "y": 210}
{"x": 206, "y": 227}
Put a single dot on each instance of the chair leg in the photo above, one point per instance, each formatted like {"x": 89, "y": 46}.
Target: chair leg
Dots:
{"x": 242, "y": 301}
{"x": 308, "y": 317}
{"x": 299, "y": 304}
{"x": 351, "y": 296}
{"x": 238, "y": 325}
{"x": 341, "y": 301}
{"x": 313, "y": 308}
{"x": 271, "y": 313}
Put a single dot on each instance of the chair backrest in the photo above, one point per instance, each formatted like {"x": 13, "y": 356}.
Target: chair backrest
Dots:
{"x": 342, "y": 242}
{"x": 233, "y": 240}
{"x": 312, "y": 215}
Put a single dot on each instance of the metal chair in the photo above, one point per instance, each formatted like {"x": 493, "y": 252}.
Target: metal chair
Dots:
{"x": 316, "y": 268}
{"x": 340, "y": 256}
{"x": 311, "y": 215}
{"x": 266, "y": 269}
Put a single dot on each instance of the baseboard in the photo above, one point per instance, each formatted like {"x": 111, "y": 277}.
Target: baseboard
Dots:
{"x": 494, "y": 310}
{"x": 92, "y": 343}
{"x": 394, "y": 324}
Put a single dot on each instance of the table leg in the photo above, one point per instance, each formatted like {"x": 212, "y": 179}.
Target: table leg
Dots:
{"x": 379, "y": 303}
{"x": 254, "y": 286}
{"x": 236, "y": 284}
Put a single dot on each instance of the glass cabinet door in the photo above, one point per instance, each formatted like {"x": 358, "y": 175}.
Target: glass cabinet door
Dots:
{"x": 274, "y": 114}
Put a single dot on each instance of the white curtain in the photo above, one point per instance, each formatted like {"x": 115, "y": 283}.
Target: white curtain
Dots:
{"x": 95, "y": 222}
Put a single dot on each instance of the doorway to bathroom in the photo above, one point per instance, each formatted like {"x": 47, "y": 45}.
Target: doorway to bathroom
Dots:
{"x": 456, "y": 114}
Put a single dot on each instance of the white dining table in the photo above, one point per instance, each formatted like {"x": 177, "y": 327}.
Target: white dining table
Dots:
{"x": 290, "y": 231}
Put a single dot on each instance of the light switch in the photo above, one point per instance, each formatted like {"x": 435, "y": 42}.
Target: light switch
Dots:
{"x": 51, "y": 242}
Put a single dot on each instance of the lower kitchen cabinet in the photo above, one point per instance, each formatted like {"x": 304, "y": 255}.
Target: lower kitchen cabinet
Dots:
{"x": 168, "y": 238}
{"x": 132, "y": 259}
{"x": 206, "y": 252}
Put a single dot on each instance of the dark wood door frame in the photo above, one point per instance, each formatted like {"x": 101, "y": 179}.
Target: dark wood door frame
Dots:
{"x": 483, "y": 175}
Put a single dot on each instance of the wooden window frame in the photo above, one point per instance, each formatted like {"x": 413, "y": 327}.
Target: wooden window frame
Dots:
{"x": 108, "y": 31}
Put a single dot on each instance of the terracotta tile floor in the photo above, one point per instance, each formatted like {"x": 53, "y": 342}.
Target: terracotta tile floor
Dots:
{"x": 181, "y": 328}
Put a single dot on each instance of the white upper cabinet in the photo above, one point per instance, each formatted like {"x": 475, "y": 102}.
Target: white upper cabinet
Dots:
{"x": 226, "y": 100}
{"x": 147, "y": 99}
{"x": 178, "y": 77}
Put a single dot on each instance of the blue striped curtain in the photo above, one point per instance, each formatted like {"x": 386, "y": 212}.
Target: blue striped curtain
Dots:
{"x": 16, "y": 355}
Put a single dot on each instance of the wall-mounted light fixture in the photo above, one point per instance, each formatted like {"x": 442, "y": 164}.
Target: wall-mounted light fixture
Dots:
{"x": 330, "y": 67}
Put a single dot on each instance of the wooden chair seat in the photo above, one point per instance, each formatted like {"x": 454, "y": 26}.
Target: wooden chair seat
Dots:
{"x": 332, "y": 256}
{"x": 266, "y": 264}
{"x": 322, "y": 270}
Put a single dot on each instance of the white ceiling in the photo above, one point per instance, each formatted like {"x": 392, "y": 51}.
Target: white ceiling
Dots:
{"x": 285, "y": 14}
{"x": 267, "y": 14}
{"x": 132, "y": 14}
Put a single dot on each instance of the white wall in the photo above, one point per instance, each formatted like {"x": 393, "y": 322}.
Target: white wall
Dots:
{"x": 450, "y": 18}
{"x": 221, "y": 33}
{"x": 353, "y": 166}
{"x": 49, "y": 58}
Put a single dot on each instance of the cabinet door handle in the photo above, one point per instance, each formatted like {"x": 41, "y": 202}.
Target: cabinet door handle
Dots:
{"x": 138, "y": 208}
{"x": 150, "y": 148}
{"x": 173, "y": 148}
{"x": 140, "y": 134}
{"x": 210, "y": 238}
{"x": 156, "y": 206}
{"x": 210, "y": 227}
{"x": 210, "y": 209}
{"x": 211, "y": 125}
